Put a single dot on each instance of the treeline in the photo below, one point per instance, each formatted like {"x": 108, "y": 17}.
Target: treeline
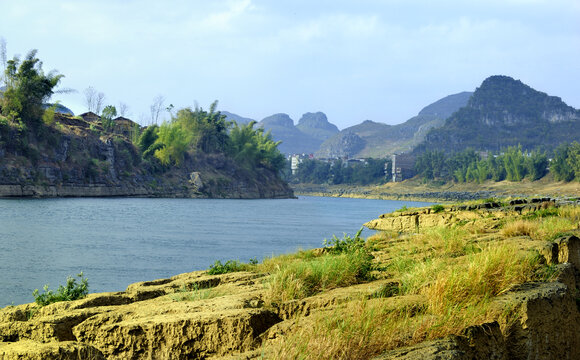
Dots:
{"x": 514, "y": 164}
{"x": 369, "y": 171}
{"x": 197, "y": 130}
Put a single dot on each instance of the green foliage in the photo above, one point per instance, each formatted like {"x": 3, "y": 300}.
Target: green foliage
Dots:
{"x": 172, "y": 143}
{"x": 253, "y": 147}
{"x": 467, "y": 166}
{"x": 230, "y": 266}
{"x": 431, "y": 165}
{"x": 72, "y": 291}
{"x": 48, "y": 115}
{"x": 573, "y": 159}
{"x": 559, "y": 165}
{"x": 27, "y": 88}
{"x": 109, "y": 112}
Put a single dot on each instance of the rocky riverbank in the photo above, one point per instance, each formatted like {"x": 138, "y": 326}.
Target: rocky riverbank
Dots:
{"x": 76, "y": 158}
{"x": 233, "y": 315}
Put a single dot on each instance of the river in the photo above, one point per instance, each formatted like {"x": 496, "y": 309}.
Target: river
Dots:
{"x": 119, "y": 241}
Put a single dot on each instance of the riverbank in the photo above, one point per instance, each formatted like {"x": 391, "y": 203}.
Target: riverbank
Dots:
{"x": 490, "y": 280}
{"x": 417, "y": 190}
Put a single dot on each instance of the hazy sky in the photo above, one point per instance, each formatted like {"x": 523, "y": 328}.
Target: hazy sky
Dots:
{"x": 381, "y": 60}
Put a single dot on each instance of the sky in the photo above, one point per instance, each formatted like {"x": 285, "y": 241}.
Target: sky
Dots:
{"x": 380, "y": 60}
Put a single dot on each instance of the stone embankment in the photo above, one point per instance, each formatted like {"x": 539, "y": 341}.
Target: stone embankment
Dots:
{"x": 197, "y": 315}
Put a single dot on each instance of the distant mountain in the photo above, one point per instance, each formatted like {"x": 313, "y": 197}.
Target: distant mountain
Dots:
{"x": 373, "y": 139}
{"x": 504, "y": 112}
{"x": 59, "y": 109}
{"x": 317, "y": 126}
{"x": 237, "y": 118}
{"x": 293, "y": 140}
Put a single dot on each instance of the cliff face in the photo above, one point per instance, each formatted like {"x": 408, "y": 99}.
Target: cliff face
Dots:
{"x": 76, "y": 158}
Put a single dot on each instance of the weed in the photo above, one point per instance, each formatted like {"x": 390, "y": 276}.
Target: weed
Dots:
{"x": 72, "y": 291}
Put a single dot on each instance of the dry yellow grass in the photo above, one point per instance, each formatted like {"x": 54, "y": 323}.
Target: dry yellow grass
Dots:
{"x": 520, "y": 228}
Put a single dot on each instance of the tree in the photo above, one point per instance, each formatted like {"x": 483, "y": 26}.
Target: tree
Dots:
{"x": 94, "y": 100}
{"x": 573, "y": 159}
{"x": 109, "y": 112}
{"x": 559, "y": 166}
{"x": 123, "y": 109}
{"x": 27, "y": 88}
{"x": 156, "y": 108}
{"x": 3, "y": 59}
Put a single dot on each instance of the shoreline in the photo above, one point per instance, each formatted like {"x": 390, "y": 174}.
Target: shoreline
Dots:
{"x": 415, "y": 190}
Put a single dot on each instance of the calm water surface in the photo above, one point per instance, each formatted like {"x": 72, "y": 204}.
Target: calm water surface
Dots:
{"x": 116, "y": 242}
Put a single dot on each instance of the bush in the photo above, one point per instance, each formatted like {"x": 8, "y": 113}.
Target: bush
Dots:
{"x": 346, "y": 244}
{"x": 72, "y": 291}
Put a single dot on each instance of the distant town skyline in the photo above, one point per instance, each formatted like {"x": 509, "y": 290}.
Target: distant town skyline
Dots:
{"x": 379, "y": 60}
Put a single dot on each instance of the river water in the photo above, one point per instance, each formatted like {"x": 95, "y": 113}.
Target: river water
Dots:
{"x": 119, "y": 241}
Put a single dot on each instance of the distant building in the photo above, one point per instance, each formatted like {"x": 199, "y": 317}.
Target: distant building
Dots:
{"x": 90, "y": 117}
{"x": 125, "y": 126}
{"x": 295, "y": 161}
{"x": 403, "y": 167}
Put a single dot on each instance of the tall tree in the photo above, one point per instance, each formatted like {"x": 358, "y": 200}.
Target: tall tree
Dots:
{"x": 123, "y": 109}
{"x": 156, "y": 108}
{"x": 27, "y": 88}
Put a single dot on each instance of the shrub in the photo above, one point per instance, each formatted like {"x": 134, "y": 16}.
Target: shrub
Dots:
{"x": 230, "y": 266}
{"x": 346, "y": 244}
{"x": 72, "y": 291}
{"x": 437, "y": 208}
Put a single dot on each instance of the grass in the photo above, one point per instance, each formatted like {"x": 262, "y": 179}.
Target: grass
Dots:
{"x": 300, "y": 279}
{"x": 544, "y": 224}
{"x": 444, "y": 279}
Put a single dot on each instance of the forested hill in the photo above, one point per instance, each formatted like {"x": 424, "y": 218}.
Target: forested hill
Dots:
{"x": 195, "y": 154}
{"x": 505, "y": 112}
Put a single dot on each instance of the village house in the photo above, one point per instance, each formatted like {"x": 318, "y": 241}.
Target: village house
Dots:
{"x": 90, "y": 117}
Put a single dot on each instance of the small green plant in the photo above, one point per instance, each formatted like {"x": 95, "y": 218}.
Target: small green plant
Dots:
{"x": 437, "y": 208}
{"x": 72, "y": 291}
{"x": 404, "y": 208}
{"x": 230, "y": 266}
{"x": 346, "y": 244}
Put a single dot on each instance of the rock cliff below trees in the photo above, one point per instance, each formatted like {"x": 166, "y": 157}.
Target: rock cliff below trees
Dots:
{"x": 197, "y": 315}
{"x": 75, "y": 158}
